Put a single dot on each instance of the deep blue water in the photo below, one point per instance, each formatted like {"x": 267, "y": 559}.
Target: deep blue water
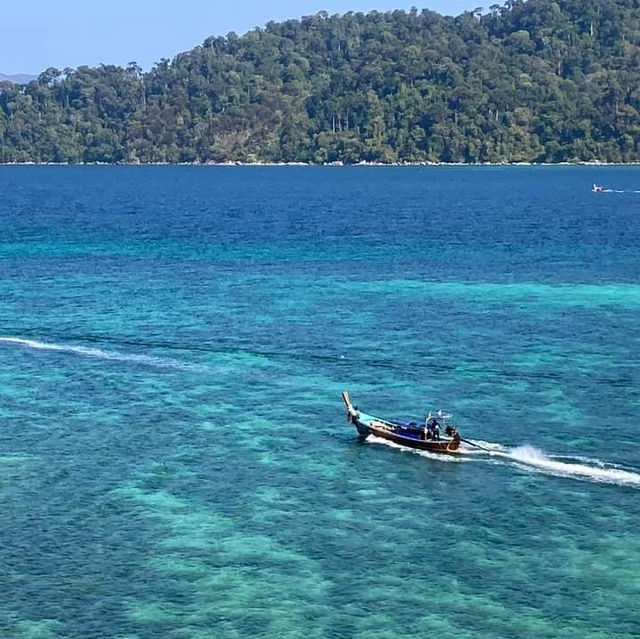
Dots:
{"x": 174, "y": 457}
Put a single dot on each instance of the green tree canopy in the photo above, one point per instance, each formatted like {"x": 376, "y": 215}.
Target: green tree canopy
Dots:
{"x": 543, "y": 80}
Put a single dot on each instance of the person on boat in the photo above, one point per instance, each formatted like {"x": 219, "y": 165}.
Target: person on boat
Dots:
{"x": 433, "y": 428}
{"x": 452, "y": 432}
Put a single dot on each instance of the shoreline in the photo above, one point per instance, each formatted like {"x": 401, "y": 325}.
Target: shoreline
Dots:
{"x": 592, "y": 163}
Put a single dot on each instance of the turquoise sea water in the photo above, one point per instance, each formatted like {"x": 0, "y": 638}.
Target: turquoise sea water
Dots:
{"x": 174, "y": 457}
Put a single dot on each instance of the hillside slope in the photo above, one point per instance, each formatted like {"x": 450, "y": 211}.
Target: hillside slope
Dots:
{"x": 17, "y": 78}
{"x": 543, "y": 80}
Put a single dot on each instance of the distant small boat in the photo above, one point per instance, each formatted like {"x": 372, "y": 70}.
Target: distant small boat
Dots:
{"x": 420, "y": 435}
{"x": 597, "y": 188}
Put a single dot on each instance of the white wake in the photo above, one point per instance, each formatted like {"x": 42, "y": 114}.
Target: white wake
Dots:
{"x": 619, "y": 191}
{"x": 530, "y": 458}
{"x": 147, "y": 360}
{"x": 591, "y": 470}
{"x": 372, "y": 439}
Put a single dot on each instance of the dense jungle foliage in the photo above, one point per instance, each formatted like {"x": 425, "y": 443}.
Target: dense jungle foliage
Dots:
{"x": 541, "y": 81}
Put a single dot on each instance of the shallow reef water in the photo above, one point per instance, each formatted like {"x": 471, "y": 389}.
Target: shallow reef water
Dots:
{"x": 174, "y": 456}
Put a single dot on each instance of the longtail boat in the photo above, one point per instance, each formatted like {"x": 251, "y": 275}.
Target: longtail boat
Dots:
{"x": 420, "y": 435}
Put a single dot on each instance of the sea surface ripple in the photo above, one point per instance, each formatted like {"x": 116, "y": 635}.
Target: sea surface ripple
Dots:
{"x": 174, "y": 456}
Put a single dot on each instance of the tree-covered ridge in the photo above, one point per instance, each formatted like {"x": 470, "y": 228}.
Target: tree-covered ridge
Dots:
{"x": 543, "y": 80}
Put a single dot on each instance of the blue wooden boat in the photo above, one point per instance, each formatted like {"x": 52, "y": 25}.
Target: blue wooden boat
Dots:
{"x": 425, "y": 435}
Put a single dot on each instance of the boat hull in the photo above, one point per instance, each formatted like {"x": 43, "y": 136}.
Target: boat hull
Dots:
{"x": 409, "y": 434}
{"x": 446, "y": 445}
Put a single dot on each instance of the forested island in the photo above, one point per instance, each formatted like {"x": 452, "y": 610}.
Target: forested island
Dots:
{"x": 535, "y": 81}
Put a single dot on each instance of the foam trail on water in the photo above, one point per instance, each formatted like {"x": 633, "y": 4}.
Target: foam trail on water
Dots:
{"x": 372, "y": 439}
{"x": 594, "y": 471}
{"x": 148, "y": 360}
{"x": 531, "y": 458}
